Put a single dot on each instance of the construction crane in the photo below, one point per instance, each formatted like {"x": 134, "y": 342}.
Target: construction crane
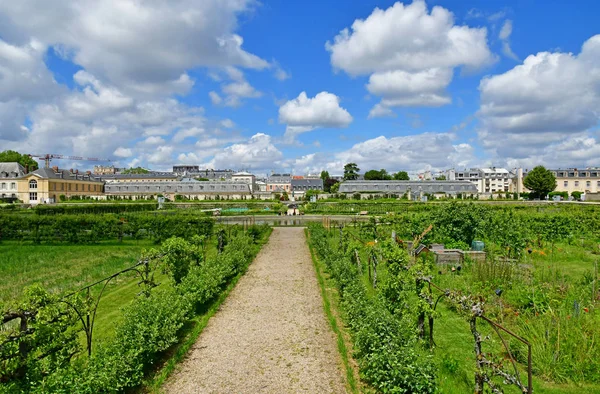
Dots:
{"x": 50, "y": 156}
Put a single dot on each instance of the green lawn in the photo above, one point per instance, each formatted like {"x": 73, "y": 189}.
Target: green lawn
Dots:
{"x": 61, "y": 267}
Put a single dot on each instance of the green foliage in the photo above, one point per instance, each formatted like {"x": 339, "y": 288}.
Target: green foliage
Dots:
{"x": 334, "y": 188}
{"x": 576, "y": 194}
{"x": 385, "y": 343}
{"x": 49, "y": 342}
{"x": 136, "y": 170}
{"x": 41, "y": 209}
{"x": 10, "y": 156}
{"x": 540, "y": 181}
{"x": 94, "y": 228}
{"x": 351, "y": 172}
{"x": 401, "y": 176}
{"x": 151, "y": 325}
{"x": 374, "y": 175}
{"x": 324, "y": 175}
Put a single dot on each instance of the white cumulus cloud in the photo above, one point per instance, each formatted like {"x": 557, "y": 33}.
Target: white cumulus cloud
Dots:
{"x": 540, "y": 105}
{"x": 409, "y": 52}
{"x": 304, "y": 114}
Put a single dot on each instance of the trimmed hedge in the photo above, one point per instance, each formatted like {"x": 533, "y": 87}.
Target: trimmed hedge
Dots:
{"x": 94, "y": 228}
{"x": 93, "y": 208}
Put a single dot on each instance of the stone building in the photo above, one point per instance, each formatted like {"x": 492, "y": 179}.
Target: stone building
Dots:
{"x": 187, "y": 188}
{"x": 46, "y": 185}
{"x": 415, "y": 188}
{"x": 9, "y": 175}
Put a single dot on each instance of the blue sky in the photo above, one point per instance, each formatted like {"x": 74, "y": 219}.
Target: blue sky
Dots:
{"x": 303, "y": 86}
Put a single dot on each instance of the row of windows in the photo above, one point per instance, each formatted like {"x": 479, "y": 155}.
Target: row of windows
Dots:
{"x": 13, "y": 185}
{"x": 572, "y": 174}
{"x": 428, "y": 188}
{"x": 3, "y": 195}
{"x": 587, "y": 183}
{"x": 179, "y": 188}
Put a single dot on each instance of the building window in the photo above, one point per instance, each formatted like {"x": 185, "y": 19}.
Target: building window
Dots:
{"x": 597, "y": 183}
{"x": 70, "y": 187}
{"x": 588, "y": 183}
{"x": 3, "y": 186}
{"x": 576, "y": 183}
{"x": 33, "y": 196}
{"x": 13, "y": 185}
{"x": 33, "y": 185}
{"x": 566, "y": 183}
{"x": 76, "y": 187}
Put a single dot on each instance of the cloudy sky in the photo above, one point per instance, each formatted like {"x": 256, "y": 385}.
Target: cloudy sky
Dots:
{"x": 302, "y": 85}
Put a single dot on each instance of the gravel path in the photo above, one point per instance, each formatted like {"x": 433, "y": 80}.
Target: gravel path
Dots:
{"x": 271, "y": 334}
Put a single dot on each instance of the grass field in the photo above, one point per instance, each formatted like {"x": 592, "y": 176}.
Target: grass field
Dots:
{"x": 61, "y": 267}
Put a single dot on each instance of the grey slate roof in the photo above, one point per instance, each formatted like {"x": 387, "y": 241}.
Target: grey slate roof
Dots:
{"x": 307, "y": 184}
{"x": 401, "y": 187}
{"x": 280, "y": 178}
{"x": 178, "y": 187}
{"x": 48, "y": 173}
{"x": 11, "y": 170}
{"x": 116, "y": 177}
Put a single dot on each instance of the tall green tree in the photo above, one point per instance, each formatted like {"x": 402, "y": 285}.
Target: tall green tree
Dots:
{"x": 324, "y": 175}
{"x": 10, "y": 156}
{"x": 351, "y": 171}
{"x": 401, "y": 176}
{"x": 540, "y": 181}
{"x": 374, "y": 175}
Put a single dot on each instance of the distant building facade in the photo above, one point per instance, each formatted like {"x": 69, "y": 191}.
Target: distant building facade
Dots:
{"x": 582, "y": 180}
{"x": 187, "y": 188}
{"x": 183, "y": 169}
{"x": 487, "y": 180}
{"x": 278, "y": 183}
{"x": 301, "y": 186}
{"x": 46, "y": 185}
{"x": 413, "y": 187}
{"x": 106, "y": 170}
{"x": 9, "y": 176}
{"x": 150, "y": 177}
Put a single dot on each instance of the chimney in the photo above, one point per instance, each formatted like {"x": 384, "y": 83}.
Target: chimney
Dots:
{"x": 88, "y": 173}
{"x": 55, "y": 168}
{"x": 27, "y": 168}
{"x": 77, "y": 171}
{"x": 71, "y": 170}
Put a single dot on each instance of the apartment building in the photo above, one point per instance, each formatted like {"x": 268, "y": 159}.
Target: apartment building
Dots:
{"x": 582, "y": 180}
{"x": 278, "y": 183}
{"x": 487, "y": 180}
{"x": 9, "y": 175}
{"x": 46, "y": 185}
{"x": 245, "y": 177}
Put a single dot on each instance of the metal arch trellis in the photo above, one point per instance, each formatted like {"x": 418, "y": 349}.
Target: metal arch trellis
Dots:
{"x": 476, "y": 311}
{"x": 87, "y": 316}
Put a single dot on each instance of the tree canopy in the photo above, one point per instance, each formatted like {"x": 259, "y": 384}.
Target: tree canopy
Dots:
{"x": 136, "y": 170}
{"x": 540, "y": 181}
{"x": 328, "y": 183}
{"x": 324, "y": 175}
{"x": 351, "y": 172}
{"x": 10, "y": 156}
{"x": 374, "y": 175}
{"x": 401, "y": 176}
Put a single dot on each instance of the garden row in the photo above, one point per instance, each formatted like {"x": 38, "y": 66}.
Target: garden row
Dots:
{"x": 383, "y": 329}
{"x": 48, "y": 357}
{"x": 538, "y": 281}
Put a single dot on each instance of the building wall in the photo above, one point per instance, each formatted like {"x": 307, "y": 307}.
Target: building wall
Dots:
{"x": 271, "y": 187}
{"x": 9, "y": 187}
{"x": 50, "y": 190}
